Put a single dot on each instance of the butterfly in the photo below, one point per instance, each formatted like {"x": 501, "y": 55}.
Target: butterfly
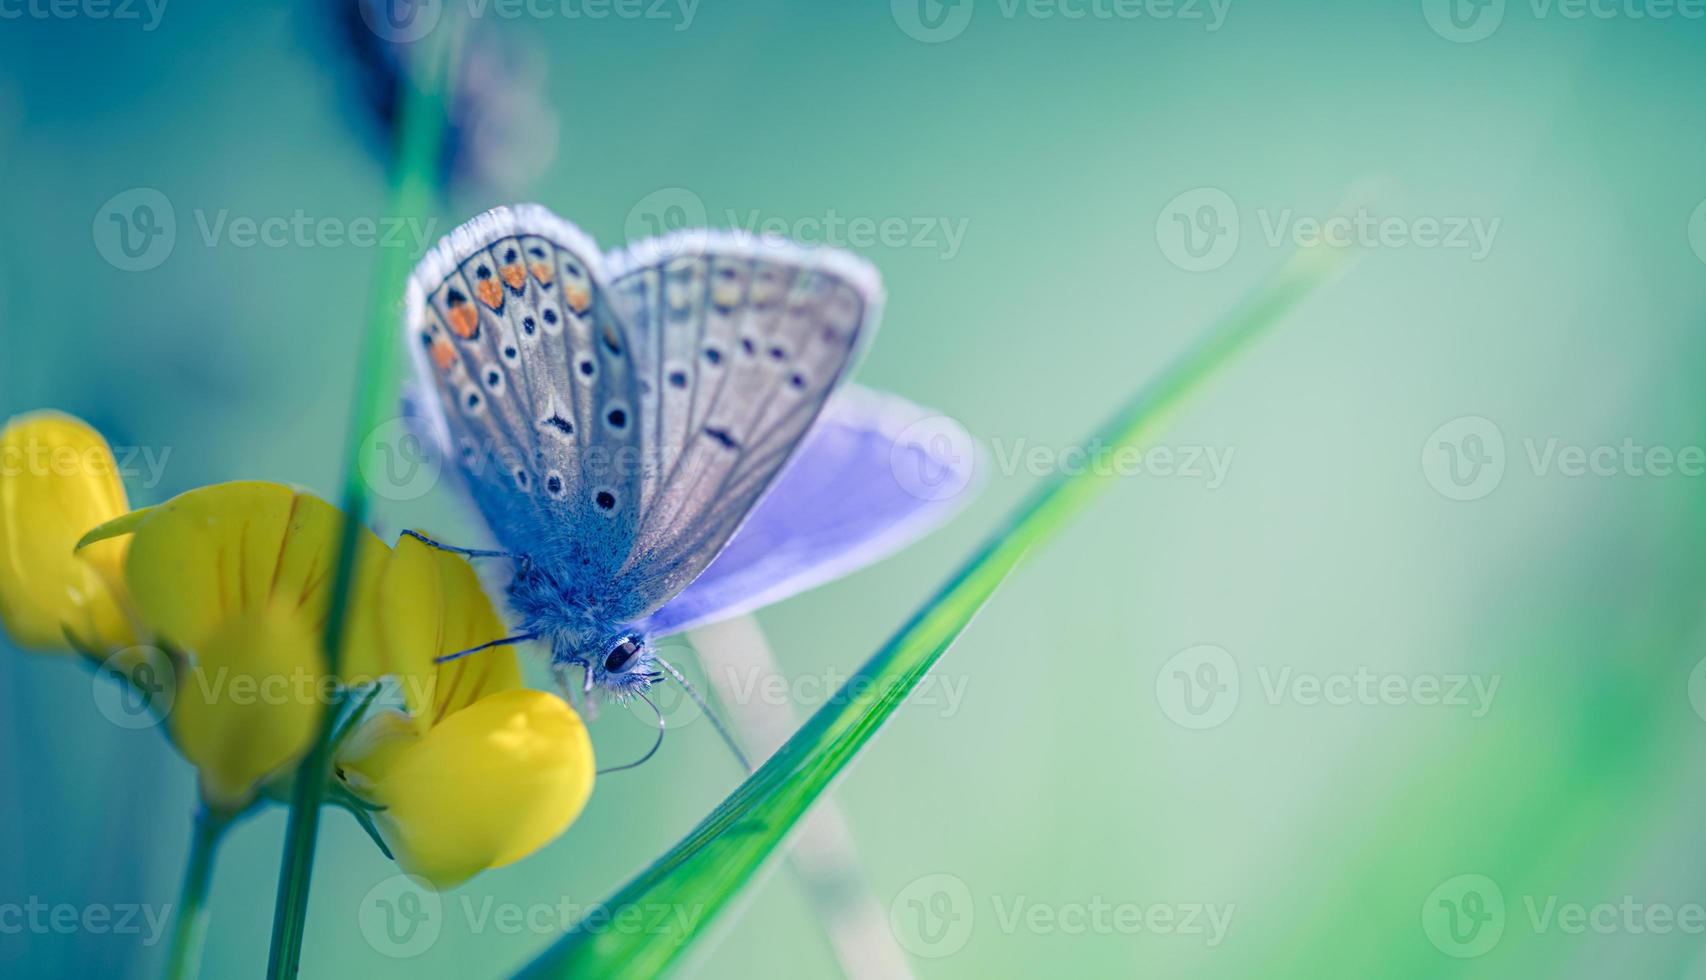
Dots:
{"x": 662, "y": 437}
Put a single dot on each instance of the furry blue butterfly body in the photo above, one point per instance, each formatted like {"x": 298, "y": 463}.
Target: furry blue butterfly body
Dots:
{"x": 618, "y": 419}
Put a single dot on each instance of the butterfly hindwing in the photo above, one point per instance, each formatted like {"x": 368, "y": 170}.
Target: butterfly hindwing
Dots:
{"x": 874, "y": 473}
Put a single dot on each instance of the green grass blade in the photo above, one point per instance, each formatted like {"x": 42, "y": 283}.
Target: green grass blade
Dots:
{"x": 653, "y": 919}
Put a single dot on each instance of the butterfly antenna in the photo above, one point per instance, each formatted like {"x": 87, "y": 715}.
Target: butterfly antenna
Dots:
{"x": 506, "y": 641}
{"x": 699, "y": 700}
{"x": 649, "y": 752}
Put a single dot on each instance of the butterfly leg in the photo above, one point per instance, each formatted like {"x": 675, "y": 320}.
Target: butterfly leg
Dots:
{"x": 468, "y": 552}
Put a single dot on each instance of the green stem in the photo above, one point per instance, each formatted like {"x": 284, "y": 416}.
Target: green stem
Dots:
{"x": 412, "y": 193}
{"x": 189, "y": 924}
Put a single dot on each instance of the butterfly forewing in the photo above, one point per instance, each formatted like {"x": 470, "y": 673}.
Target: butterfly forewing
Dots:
{"x": 514, "y": 304}
{"x": 746, "y": 341}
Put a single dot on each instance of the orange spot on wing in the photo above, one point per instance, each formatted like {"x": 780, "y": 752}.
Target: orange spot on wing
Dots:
{"x": 515, "y": 275}
{"x": 443, "y": 354}
{"x": 578, "y": 297}
{"x": 465, "y": 320}
{"x": 542, "y": 271}
{"x": 490, "y": 293}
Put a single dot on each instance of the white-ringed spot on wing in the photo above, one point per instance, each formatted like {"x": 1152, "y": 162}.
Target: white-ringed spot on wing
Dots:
{"x": 616, "y": 416}
{"x": 473, "y": 403}
{"x": 554, "y": 485}
{"x": 604, "y": 501}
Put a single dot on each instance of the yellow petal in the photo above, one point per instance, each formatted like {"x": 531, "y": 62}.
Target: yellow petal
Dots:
{"x": 249, "y": 703}
{"x": 489, "y": 785}
{"x": 431, "y": 604}
{"x": 237, "y": 549}
{"x": 206, "y": 557}
{"x": 58, "y": 479}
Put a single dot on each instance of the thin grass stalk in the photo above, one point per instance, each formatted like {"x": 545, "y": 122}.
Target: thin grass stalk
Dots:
{"x": 413, "y": 193}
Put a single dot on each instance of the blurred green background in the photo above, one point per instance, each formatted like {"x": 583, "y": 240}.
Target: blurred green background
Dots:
{"x": 1073, "y": 152}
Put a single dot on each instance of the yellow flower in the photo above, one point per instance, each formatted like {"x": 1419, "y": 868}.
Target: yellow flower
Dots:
{"x": 58, "y": 479}
{"x": 235, "y": 580}
{"x": 233, "y": 583}
{"x": 477, "y": 772}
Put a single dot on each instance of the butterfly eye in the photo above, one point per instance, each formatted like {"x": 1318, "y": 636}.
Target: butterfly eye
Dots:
{"x": 617, "y": 660}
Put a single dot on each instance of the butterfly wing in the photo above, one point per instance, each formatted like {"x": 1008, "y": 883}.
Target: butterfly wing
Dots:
{"x": 617, "y": 418}
{"x": 513, "y": 330}
{"x": 739, "y": 343}
{"x": 867, "y": 481}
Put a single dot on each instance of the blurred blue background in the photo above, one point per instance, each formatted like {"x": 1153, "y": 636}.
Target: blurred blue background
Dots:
{"x": 1081, "y": 194}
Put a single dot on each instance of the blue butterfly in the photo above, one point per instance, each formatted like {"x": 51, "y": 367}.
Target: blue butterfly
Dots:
{"x": 661, "y": 437}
